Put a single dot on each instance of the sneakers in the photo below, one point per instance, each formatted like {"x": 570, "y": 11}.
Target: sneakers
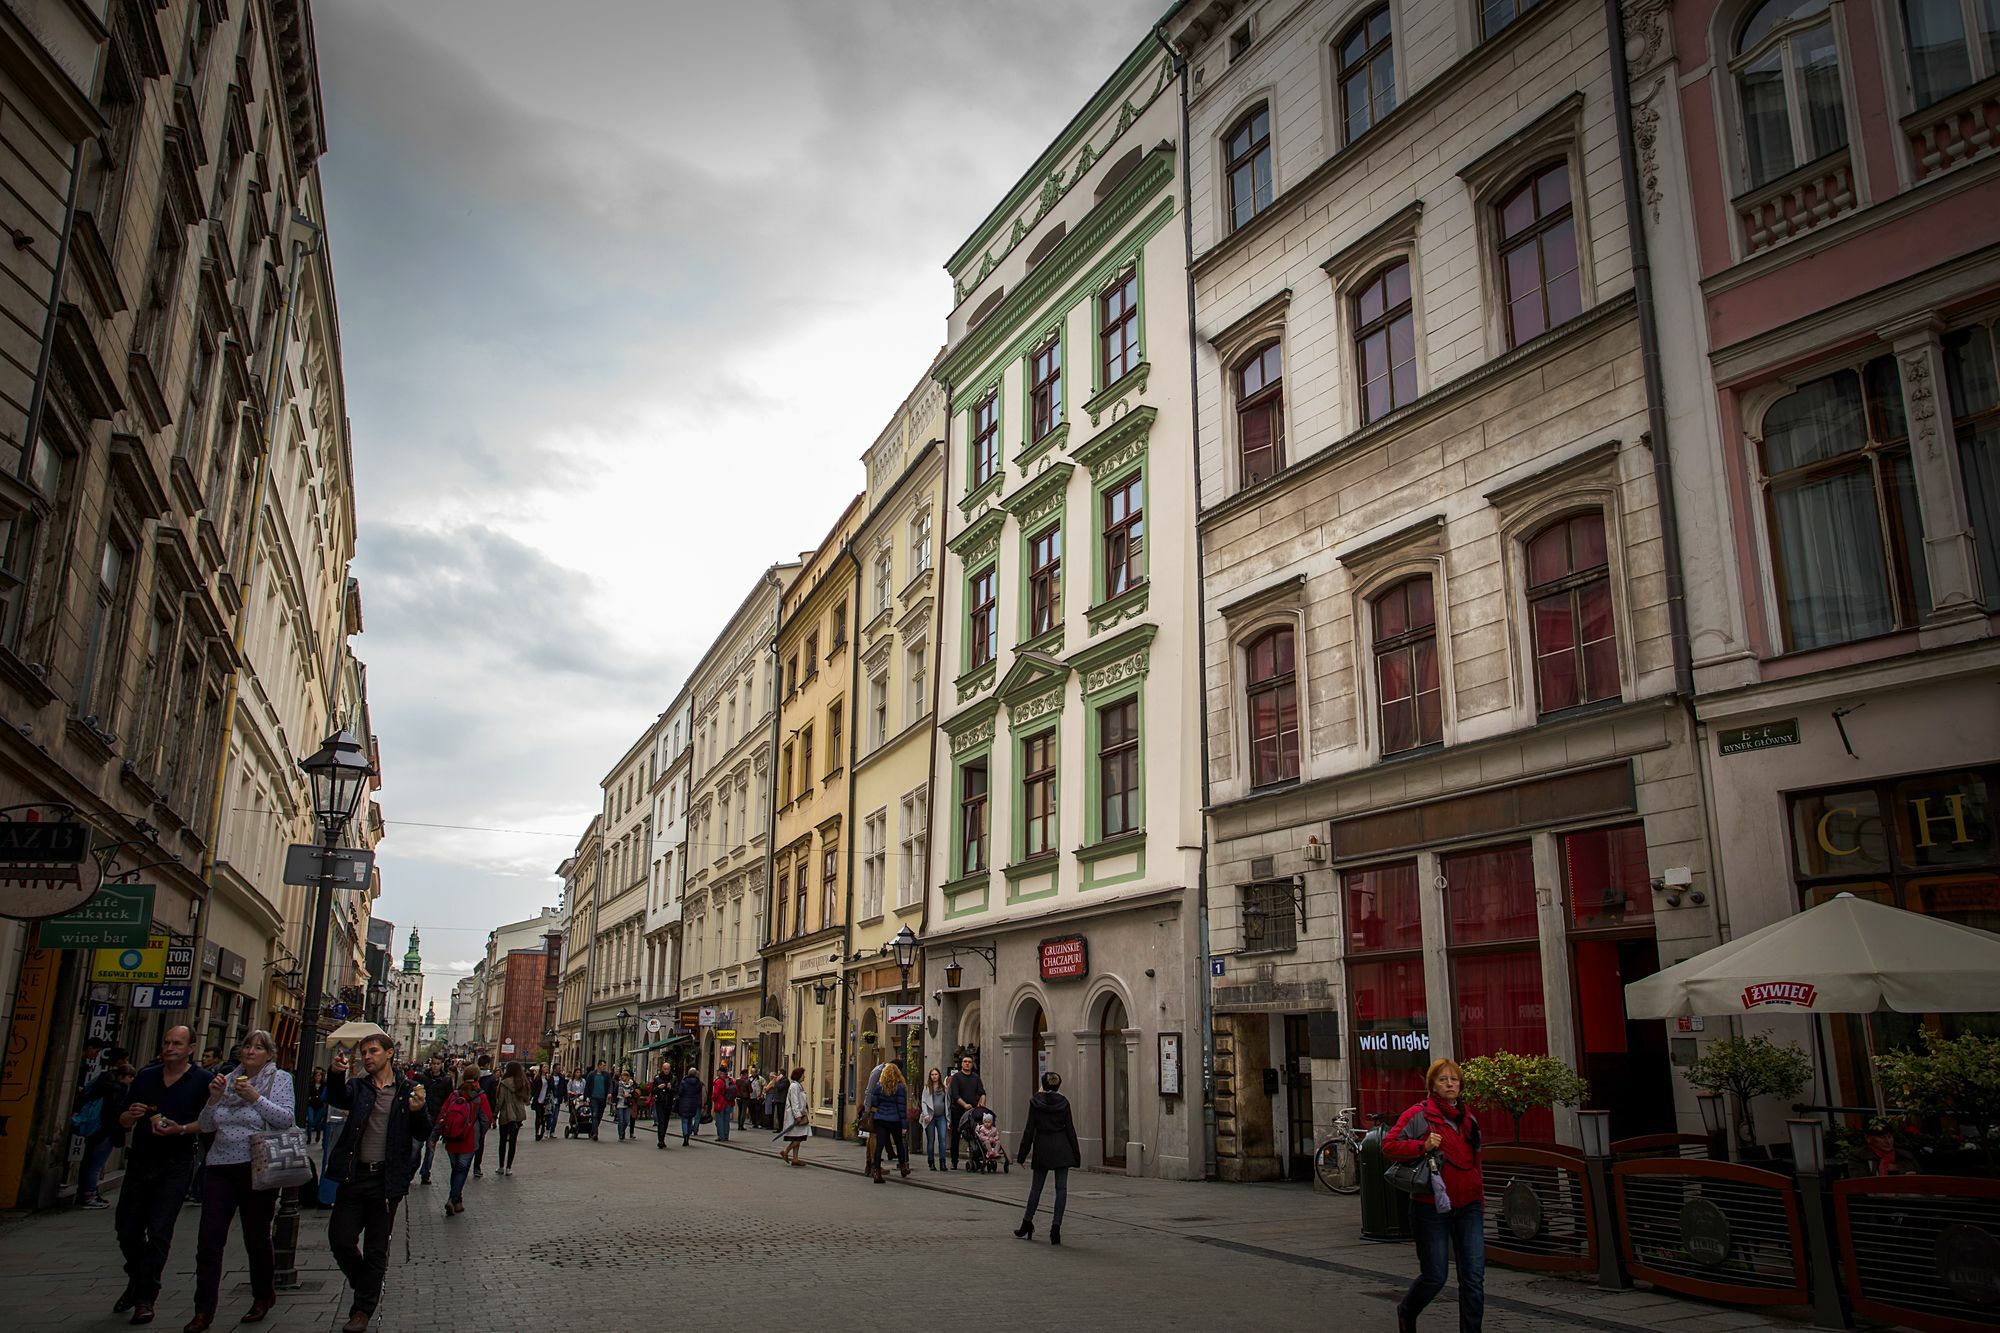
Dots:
{"x": 93, "y": 1203}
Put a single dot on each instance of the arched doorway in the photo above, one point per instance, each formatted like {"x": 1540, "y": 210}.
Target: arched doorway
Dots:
{"x": 1116, "y": 1083}
{"x": 1041, "y": 1047}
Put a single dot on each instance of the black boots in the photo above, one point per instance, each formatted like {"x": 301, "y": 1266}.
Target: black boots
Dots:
{"x": 1055, "y": 1235}
{"x": 1026, "y": 1231}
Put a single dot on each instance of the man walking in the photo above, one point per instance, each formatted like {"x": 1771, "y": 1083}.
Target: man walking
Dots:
{"x": 688, "y": 1102}
{"x": 963, "y": 1091}
{"x": 164, "y": 1117}
{"x": 662, "y": 1090}
{"x": 371, "y": 1163}
{"x": 598, "y": 1089}
{"x": 111, "y": 1090}
{"x": 436, "y": 1083}
{"x": 757, "y": 1097}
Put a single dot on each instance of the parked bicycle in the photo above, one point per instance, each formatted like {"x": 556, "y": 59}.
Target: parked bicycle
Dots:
{"x": 1337, "y": 1160}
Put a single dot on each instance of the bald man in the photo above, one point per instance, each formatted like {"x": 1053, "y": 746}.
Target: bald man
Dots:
{"x": 164, "y": 1120}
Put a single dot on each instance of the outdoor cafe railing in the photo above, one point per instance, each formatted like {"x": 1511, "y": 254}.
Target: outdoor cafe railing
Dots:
{"x": 1921, "y": 1251}
{"x": 1660, "y": 1145}
{"x": 1713, "y": 1230}
{"x": 1538, "y": 1210}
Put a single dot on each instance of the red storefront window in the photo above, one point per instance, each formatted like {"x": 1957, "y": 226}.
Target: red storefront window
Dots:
{"x": 1609, "y": 882}
{"x": 1496, "y": 964}
{"x": 1385, "y": 987}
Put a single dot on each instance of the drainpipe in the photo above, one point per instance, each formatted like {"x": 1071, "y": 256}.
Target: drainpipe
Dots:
{"x": 38, "y": 394}
{"x": 1202, "y": 981}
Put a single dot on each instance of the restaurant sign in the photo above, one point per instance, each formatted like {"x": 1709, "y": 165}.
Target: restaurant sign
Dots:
{"x": 45, "y": 865}
{"x": 1065, "y": 958}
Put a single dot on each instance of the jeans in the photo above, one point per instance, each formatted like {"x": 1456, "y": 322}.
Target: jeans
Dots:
{"x": 624, "y": 1120}
{"x": 743, "y": 1113}
{"x": 315, "y": 1123}
{"x": 149, "y": 1203}
{"x": 888, "y": 1134}
{"x": 660, "y": 1122}
{"x": 936, "y": 1147}
{"x": 1061, "y": 1173}
{"x": 1461, "y": 1229}
{"x": 479, "y": 1153}
{"x": 430, "y": 1150}
{"x": 461, "y": 1169}
{"x": 689, "y": 1124}
{"x": 510, "y": 1144}
{"x": 96, "y": 1152}
{"x": 225, "y": 1191}
{"x": 364, "y": 1218}
{"x": 952, "y": 1135}
{"x": 596, "y": 1115}
{"x": 722, "y": 1125}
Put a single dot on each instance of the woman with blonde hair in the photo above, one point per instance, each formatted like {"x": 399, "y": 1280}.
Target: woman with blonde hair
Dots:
{"x": 1449, "y": 1215}
{"x": 890, "y": 1106}
{"x": 256, "y": 1100}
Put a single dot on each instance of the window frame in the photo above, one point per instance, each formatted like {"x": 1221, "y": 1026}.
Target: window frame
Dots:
{"x": 1341, "y": 72}
{"x": 1482, "y": 12}
{"x": 1539, "y": 226}
{"x": 973, "y": 809}
{"x": 1233, "y": 161}
{"x": 1040, "y": 804}
{"x": 1110, "y": 534}
{"x": 920, "y": 542}
{"x": 1044, "y": 580}
{"x": 1047, "y": 406}
{"x": 1285, "y": 682}
{"x": 1408, "y": 641}
{"x": 1570, "y": 585}
{"x": 1132, "y": 797}
{"x": 1733, "y": 62}
{"x": 983, "y": 440}
{"x": 982, "y": 616}
{"x": 1383, "y": 325}
{"x": 1128, "y": 325}
{"x": 1982, "y": 61}
{"x": 1269, "y": 894}
{"x": 1268, "y": 398}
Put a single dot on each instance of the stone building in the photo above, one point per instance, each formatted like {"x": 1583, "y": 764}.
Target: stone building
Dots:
{"x": 618, "y": 937}
{"x": 406, "y": 998}
{"x": 579, "y": 873}
{"x": 1063, "y": 910}
{"x": 673, "y": 768}
{"x": 511, "y": 1000}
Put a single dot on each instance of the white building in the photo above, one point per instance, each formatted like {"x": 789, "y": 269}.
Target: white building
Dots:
{"x": 673, "y": 766}
{"x": 406, "y": 999}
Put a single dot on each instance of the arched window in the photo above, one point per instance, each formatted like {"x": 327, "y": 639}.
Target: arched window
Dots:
{"x": 1366, "y": 73}
{"x": 1260, "y": 413}
{"x": 1569, "y": 605}
{"x": 1249, "y": 167}
{"x": 1116, "y": 1082}
{"x": 1385, "y": 341}
{"x": 1538, "y": 265}
{"x": 1787, "y": 68}
{"x": 1273, "y": 706}
{"x": 1406, "y": 666}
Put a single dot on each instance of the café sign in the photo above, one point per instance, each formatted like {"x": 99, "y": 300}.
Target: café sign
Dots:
{"x": 1065, "y": 958}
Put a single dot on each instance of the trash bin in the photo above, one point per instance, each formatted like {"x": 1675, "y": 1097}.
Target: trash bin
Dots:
{"x": 1385, "y": 1213}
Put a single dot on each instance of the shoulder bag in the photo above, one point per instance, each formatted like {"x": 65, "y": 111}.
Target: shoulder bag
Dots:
{"x": 1413, "y": 1176}
{"x": 279, "y": 1160}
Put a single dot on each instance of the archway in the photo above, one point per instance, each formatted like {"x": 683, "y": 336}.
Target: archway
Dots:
{"x": 1115, "y": 1085}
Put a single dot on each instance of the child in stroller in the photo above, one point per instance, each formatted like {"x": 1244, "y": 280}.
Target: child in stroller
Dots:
{"x": 982, "y": 1140}
{"x": 580, "y": 1125}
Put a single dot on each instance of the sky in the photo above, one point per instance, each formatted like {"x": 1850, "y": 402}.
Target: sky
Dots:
{"x": 625, "y": 290}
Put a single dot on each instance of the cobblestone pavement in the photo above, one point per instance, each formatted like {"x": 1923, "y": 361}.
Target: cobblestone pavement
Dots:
{"x": 616, "y": 1236}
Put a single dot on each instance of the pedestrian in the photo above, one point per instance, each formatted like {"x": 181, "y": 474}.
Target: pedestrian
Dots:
{"x": 743, "y": 1100}
{"x": 438, "y": 1085}
{"x": 934, "y": 1115}
{"x": 663, "y": 1089}
{"x": 515, "y": 1093}
{"x": 1050, "y": 1136}
{"x": 963, "y": 1092}
{"x": 889, "y": 1106}
{"x": 258, "y": 1100}
{"x": 458, "y": 1126}
{"x": 774, "y": 1101}
{"x": 720, "y": 1096}
{"x": 371, "y": 1163}
{"x": 95, "y": 1117}
{"x": 757, "y": 1117}
{"x": 687, "y": 1102}
{"x": 864, "y": 1116}
{"x": 1452, "y": 1219}
{"x": 598, "y": 1087}
{"x": 797, "y": 1125}
{"x": 625, "y": 1106}
{"x": 489, "y": 1085}
{"x": 164, "y": 1120}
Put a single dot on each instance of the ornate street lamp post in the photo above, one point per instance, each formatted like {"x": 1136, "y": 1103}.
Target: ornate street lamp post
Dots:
{"x": 904, "y": 946}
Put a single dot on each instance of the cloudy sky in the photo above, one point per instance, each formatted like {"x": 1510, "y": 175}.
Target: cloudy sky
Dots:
{"x": 625, "y": 289}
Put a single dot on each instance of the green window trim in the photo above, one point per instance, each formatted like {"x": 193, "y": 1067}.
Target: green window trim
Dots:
{"x": 1114, "y": 462}
{"x": 1038, "y": 506}
{"x": 989, "y": 387}
{"x": 1053, "y": 442}
{"x": 970, "y": 735}
{"x": 972, "y": 575}
{"x": 1059, "y": 330}
{"x": 1127, "y": 605}
{"x": 1112, "y": 672}
{"x": 959, "y": 899}
{"x": 1020, "y": 734}
{"x": 1099, "y": 387}
{"x": 1132, "y": 381}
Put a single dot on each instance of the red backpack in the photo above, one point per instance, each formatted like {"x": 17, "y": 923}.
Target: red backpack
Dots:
{"x": 456, "y": 1120}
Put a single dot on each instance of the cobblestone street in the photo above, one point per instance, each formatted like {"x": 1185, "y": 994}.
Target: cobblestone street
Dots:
{"x": 617, "y": 1236}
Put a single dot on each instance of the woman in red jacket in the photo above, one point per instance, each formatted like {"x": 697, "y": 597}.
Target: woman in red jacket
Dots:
{"x": 1450, "y": 1136}
{"x": 458, "y": 1126}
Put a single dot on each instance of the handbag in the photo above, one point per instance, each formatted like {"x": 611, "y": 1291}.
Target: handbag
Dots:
{"x": 278, "y": 1159}
{"x": 1414, "y": 1176}
{"x": 89, "y": 1118}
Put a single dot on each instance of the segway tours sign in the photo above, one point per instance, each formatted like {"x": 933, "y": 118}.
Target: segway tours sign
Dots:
{"x": 45, "y": 864}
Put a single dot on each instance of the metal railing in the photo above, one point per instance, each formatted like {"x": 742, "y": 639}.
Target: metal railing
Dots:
{"x": 1921, "y": 1251}
{"x": 1711, "y": 1229}
{"x": 1538, "y": 1210}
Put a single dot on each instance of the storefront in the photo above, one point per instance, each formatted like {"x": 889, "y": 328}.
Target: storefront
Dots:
{"x": 813, "y": 1004}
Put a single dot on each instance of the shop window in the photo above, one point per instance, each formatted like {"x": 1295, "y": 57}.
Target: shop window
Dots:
{"x": 1569, "y": 605}
{"x": 1270, "y": 917}
{"x": 1406, "y": 666}
{"x": 1385, "y": 986}
{"x": 1494, "y": 946}
{"x": 1248, "y": 148}
{"x": 1610, "y": 884}
{"x": 1366, "y": 73}
{"x": 1260, "y": 413}
{"x": 1541, "y": 283}
{"x": 1973, "y": 378}
{"x": 1841, "y": 494}
{"x": 1787, "y": 68}
{"x": 1273, "y": 705}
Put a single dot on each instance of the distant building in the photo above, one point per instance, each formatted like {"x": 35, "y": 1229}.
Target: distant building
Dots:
{"x": 406, "y": 999}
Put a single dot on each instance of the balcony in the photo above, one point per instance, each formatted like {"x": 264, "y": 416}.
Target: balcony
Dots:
{"x": 1797, "y": 203}
{"x": 1958, "y": 130}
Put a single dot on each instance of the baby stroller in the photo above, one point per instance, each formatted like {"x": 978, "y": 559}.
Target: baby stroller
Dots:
{"x": 981, "y": 1133}
{"x": 581, "y": 1125}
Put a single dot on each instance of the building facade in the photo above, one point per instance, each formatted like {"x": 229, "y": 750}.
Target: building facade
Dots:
{"x": 673, "y": 769}
{"x": 618, "y": 939}
{"x": 1063, "y": 883}
{"x": 406, "y": 998}
{"x": 466, "y": 997}
{"x": 894, "y": 688}
{"x": 510, "y": 1017}
{"x": 579, "y": 873}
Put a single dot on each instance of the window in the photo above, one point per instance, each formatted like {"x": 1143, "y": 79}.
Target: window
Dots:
{"x": 982, "y": 598}
{"x": 1540, "y": 283}
{"x": 834, "y": 755}
{"x": 1239, "y": 42}
{"x": 31, "y": 554}
{"x": 1260, "y": 413}
{"x": 1038, "y": 794}
{"x": 1270, "y": 917}
{"x": 1569, "y": 606}
{"x": 792, "y": 675}
{"x": 878, "y": 711}
{"x": 1973, "y": 381}
{"x": 985, "y": 439}
{"x": 916, "y": 848}
{"x": 1366, "y": 73}
{"x": 1841, "y": 498}
{"x": 1385, "y": 342}
{"x": 972, "y": 817}
{"x": 1248, "y": 146}
{"x": 1045, "y": 404}
{"x": 1942, "y": 59}
{"x": 874, "y": 863}
{"x": 885, "y": 582}
{"x": 839, "y": 635}
{"x": 809, "y": 658}
{"x": 1124, "y": 536}
{"x": 917, "y": 675}
{"x": 829, "y": 886}
{"x": 1493, "y": 943}
{"x": 801, "y": 871}
{"x": 1385, "y": 985}
{"x": 920, "y": 543}
{"x": 1787, "y": 70}
{"x": 1608, "y": 879}
{"x": 805, "y": 761}
{"x": 1406, "y": 666}
{"x": 104, "y": 649}
{"x": 1273, "y": 707}
{"x": 1045, "y": 581}
{"x": 1118, "y": 767}
{"x": 1118, "y": 327}
{"x": 1494, "y": 15}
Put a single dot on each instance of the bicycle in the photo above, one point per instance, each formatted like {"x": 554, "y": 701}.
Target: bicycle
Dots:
{"x": 1337, "y": 1159}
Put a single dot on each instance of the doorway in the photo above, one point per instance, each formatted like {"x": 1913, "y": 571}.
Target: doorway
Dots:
{"x": 1117, "y": 1082}
{"x": 1627, "y": 1062}
{"x": 1298, "y": 1099}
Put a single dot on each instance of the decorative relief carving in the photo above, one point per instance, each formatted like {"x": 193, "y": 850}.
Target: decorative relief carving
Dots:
{"x": 1923, "y": 402}
{"x": 972, "y": 737}
{"x": 1117, "y": 613}
{"x": 1649, "y": 38}
{"x": 1111, "y": 673}
{"x": 1049, "y": 701}
{"x": 1646, "y": 138}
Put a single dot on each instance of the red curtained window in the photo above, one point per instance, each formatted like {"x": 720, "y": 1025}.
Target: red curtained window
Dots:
{"x": 1496, "y": 963}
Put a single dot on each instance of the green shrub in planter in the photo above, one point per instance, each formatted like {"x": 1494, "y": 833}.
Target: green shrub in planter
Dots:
{"x": 1956, "y": 1078}
{"x": 1751, "y": 1067}
{"x": 1518, "y": 1084}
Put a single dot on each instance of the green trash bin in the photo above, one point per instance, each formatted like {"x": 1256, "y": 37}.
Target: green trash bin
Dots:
{"x": 1385, "y": 1213}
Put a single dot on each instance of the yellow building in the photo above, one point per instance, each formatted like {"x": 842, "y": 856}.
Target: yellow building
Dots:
{"x": 893, "y": 684}
{"x": 806, "y": 920}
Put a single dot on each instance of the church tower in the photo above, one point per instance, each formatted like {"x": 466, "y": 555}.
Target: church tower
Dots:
{"x": 406, "y": 1012}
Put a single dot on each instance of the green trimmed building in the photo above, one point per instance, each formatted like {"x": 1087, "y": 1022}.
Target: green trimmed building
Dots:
{"x": 1066, "y": 817}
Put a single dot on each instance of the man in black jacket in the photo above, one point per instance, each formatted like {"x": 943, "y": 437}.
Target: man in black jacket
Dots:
{"x": 664, "y": 1089}
{"x": 372, "y": 1161}
{"x": 598, "y": 1089}
{"x": 437, "y": 1088}
{"x": 962, "y": 1093}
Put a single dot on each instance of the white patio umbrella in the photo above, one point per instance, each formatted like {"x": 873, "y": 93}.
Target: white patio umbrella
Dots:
{"x": 351, "y": 1033}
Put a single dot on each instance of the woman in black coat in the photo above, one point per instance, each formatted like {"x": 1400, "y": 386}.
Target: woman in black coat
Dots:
{"x": 1051, "y": 1137}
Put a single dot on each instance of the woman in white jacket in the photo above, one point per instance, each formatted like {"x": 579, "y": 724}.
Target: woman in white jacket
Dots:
{"x": 256, "y": 1100}
{"x": 798, "y": 1119}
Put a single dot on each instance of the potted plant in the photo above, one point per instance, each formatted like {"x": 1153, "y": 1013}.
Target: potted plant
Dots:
{"x": 1748, "y": 1068}
{"x": 1518, "y": 1084}
{"x": 1955, "y": 1078}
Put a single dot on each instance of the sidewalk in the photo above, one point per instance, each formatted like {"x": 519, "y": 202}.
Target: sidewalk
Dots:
{"x": 1298, "y": 1225}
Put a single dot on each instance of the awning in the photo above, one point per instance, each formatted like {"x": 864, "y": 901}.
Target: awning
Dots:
{"x": 674, "y": 1040}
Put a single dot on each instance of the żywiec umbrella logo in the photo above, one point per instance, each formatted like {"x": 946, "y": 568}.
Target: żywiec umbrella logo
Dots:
{"x": 1800, "y": 994}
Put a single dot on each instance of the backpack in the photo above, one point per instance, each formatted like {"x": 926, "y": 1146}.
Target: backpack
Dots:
{"x": 89, "y": 1118}
{"x": 456, "y": 1120}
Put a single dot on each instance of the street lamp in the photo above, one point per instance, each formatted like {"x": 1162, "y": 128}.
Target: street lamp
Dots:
{"x": 904, "y": 946}
{"x": 953, "y": 974}
{"x": 339, "y": 772}
{"x": 624, "y": 1030}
